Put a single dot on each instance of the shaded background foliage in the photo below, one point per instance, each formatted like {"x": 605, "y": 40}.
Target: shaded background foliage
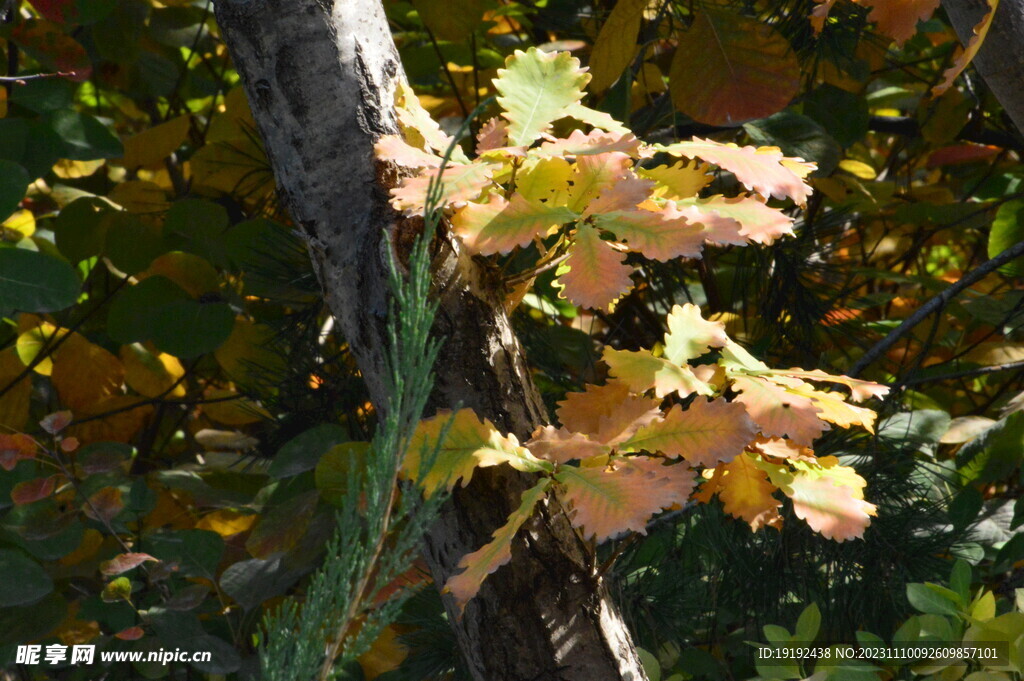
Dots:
{"x": 161, "y": 297}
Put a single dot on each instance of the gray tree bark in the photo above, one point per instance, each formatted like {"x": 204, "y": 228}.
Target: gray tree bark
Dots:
{"x": 320, "y": 76}
{"x": 1000, "y": 61}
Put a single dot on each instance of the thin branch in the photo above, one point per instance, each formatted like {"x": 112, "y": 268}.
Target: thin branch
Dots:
{"x": 968, "y": 373}
{"x": 936, "y": 303}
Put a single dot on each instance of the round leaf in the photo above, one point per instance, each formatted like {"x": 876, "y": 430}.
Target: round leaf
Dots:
{"x": 34, "y": 282}
{"x": 187, "y": 328}
{"x": 24, "y": 579}
{"x": 729, "y": 69}
{"x": 13, "y": 181}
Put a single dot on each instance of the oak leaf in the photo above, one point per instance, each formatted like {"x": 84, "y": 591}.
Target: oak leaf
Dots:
{"x": 689, "y": 335}
{"x": 499, "y": 225}
{"x": 641, "y": 371}
{"x": 707, "y": 433}
{"x": 608, "y": 413}
{"x": 537, "y": 88}
{"x": 594, "y": 275}
{"x": 482, "y": 562}
{"x": 622, "y": 497}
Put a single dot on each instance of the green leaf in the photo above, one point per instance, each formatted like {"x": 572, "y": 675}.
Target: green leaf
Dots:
{"x": 302, "y": 452}
{"x": 250, "y": 582}
{"x": 965, "y": 507}
{"x": 197, "y": 552}
{"x": 960, "y": 579}
{"x": 119, "y": 589}
{"x": 13, "y": 182}
{"x": 1011, "y": 552}
{"x": 1007, "y": 230}
{"x": 30, "y": 622}
{"x": 808, "y": 624}
{"x": 24, "y": 580}
{"x": 79, "y": 229}
{"x": 188, "y": 328}
{"x": 134, "y": 312}
{"x": 994, "y": 454}
{"x": 536, "y": 88}
{"x": 44, "y": 94}
{"x": 773, "y": 633}
{"x": 198, "y": 226}
{"x": 33, "y": 282}
{"x": 1018, "y": 514}
{"x": 132, "y": 244}
{"x": 84, "y": 137}
{"x": 799, "y": 136}
{"x": 842, "y": 114}
{"x": 933, "y": 599}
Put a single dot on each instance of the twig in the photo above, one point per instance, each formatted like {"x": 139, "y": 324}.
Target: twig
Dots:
{"x": 968, "y": 373}
{"x": 936, "y": 303}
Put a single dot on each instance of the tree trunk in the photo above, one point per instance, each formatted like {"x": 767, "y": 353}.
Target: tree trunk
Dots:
{"x": 320, "y": 77}
{"x": 1000, "y": 61}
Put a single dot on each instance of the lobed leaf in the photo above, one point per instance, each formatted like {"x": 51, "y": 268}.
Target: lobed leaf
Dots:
{"x": 642, "y": 371}
{"x": 745, "y": 491}
{"x": 761, "y": 169}
{"x": 689, "y": 335}
{"x": 537, "y": 88}
{"x": 469, "y": 443}
{"x": 707, "y": 433}
{"x": 622, "y": 497}
{"x": 482, "y": 562}
{"x": 608, "y": 413}
{"x": 594, "y": 275}
{"x": 661, "y": 235}
{"x": 499, "y": 225}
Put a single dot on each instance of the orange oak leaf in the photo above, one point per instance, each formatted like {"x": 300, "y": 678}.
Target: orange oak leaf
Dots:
{"x": 594, "y": 174}
{"x": 756, "y": 221}
{"x": 829, "y": 498}
{"x": 623, "y": 496}
{"x": 660, "y": 235}
{"x": 560, "y": 445}
{"x": 707, "y": 433}
{"x": 498, "y": 226}
{"x": 459, "y": 182}
{"x": 898, "y": 18}
{"x": 397, "y": 150}
{"x": 964, "y": 56}
{"x": 492, "y": 135}
{"x": 777, "y": 412}
{"x": 608, "y": 413}
{"x": 595, "y": 275}
{"x": 579, "y": 143}
{"x": 764, "y": 170}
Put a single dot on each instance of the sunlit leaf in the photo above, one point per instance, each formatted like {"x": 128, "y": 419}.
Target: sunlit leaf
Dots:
{"x": 708, "y": 432}
{"x": 536, "y": 88}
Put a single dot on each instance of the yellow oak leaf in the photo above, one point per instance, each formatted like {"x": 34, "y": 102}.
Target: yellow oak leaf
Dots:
{"x": 689, "y": 335}
{"x": 594, "y": 275}
{"x": 484, "y": 561}
{"x": 778, "y": 412}
{"x": 706, "y": 433}
{"x": 468, "y": 443}
{"x": 679, "y": 181}
{"x": 746, "y": 493}
{"x": 642, "y": 371}
{"x": 545, "y": 179}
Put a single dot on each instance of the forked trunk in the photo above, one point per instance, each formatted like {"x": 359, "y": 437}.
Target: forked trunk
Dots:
{"x": 320, "y": 78}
